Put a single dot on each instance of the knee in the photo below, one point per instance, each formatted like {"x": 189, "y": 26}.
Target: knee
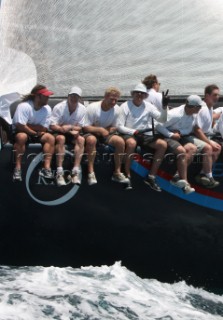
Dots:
{"x": 207, "y": 149}
{"x": 21, "y": 138}
{"x": 91, "y": 141}
{"x": 131, "y": 144}
{"x": 161, "y": 144}
{"x": 117, "y": 141}
{"x": 49, "y": 138}
{"x": 60, "y": 139}
{"x": 180, "y": 151}
{"x": 191, "y": 148}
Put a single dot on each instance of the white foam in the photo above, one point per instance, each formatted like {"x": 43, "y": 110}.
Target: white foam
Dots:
{"x": 106, "y": 292}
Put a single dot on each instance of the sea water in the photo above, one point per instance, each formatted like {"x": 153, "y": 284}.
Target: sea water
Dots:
{"x": 93, "y": 293}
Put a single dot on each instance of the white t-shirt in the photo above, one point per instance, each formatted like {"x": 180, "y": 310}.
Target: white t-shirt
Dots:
{"x": 177, "y": 120}
{"x": 61, "y": 114}
{"x": 219, "y": 126}
{"x": 26, "y": 114}
{"x": 204, "y": 119}
{"x": 134, "y": 118}
{"x": 155, "y": 98}
{"x": 95, "y": 116}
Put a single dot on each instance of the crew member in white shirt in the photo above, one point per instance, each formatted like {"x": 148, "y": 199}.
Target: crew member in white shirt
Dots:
{"x": 154, "y": 96}
{"x": 218, "y": 128}
{"x": 100, "y": 125}
{"x": 66, "y": 121}
{"x": 30, "y": 123}
{"x": 178, "y": 130}
{"x": 203, "y": 131}
{"x": 136, "y": 115}
{"x": 217, "y": 112}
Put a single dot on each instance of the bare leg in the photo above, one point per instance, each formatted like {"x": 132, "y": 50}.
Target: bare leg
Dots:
{"x": 119, "y": 144}
{"x": 207, "y": 159}
{"x": 181, "y": 162}
{"x": 48, "y": 141}
{"x": 19, "y": 147}
{"x": 160, "y": 147}
{"x": 60, "y": 150}
{"x": 78, "y": 150}
{"x": 91, "y": 151}
{"x": 130, "y": 150}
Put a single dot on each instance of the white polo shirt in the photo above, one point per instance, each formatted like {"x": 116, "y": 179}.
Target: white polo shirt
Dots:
{"x": 204, "y": 119}
{"x": 219, "y": 126}
{"x": 61, "y": 114}
{"x": 97, "y": 117}
{"x": 177, "y": 120}
{"x": 26, "y": 114}
{"x": 155, "y": 98}
{"x": 134, "y": 117}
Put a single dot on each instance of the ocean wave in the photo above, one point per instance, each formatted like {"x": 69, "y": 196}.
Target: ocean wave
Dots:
{"x": 106, "y": 292}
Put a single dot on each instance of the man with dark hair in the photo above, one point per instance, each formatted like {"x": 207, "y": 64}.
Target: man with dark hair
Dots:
{"x": 203, "y": 131}
{"x": 154, "y": 96}
{"x": 30, "y": 123}
{"x": 66, "y": 122}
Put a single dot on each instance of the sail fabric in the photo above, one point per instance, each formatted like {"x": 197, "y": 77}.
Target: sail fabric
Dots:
{"x": 98, "y": 43}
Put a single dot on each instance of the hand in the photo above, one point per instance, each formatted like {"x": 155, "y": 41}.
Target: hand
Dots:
{"x": 66, "y": 128}
{"x": 104, "y": 132}
{"x": 165, "y": 99}
{"x": 40, "y": 133}
{"x": 215, "y": 145}
{"x": 74, "y": 133}
{"x": 176, "y": 136}
{"x": 138, "y": 135}
{"x": 111, "y": 129}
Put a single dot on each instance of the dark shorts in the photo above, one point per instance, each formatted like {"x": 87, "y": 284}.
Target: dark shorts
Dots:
{"x": 69, "y": 138}
{"x": 174, "y": 144}
{"x": 100, "y": 139}
{"x": 143, "y": 140}
{"x": 31, "y": 139}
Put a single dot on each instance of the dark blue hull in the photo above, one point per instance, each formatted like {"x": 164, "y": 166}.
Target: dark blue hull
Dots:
{"x": 157, "y": 235}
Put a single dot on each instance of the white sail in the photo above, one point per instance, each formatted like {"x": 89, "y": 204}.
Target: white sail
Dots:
{"x": 99, "y": 43}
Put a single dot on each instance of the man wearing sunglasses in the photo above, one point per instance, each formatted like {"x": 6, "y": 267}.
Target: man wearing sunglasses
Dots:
{"x": 136, "y": 116}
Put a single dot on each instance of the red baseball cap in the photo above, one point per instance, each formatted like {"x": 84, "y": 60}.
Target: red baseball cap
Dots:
{"x": 45, "y": 92}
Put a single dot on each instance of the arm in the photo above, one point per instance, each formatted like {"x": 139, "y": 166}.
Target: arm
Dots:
{"x": 121, "y": 122}
{"x": 97, "y": 130}
{"x": 162, "y": 129}
{"x": 159, "y": 116}
{"x": 64, "y": 128}
{"x": 30, "y": 130}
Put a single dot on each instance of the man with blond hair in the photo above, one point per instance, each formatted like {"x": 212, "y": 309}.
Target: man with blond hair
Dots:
{"x": 100, "y": 125}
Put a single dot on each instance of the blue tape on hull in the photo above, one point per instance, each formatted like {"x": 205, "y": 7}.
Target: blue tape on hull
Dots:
{"x": 195, "y": 197}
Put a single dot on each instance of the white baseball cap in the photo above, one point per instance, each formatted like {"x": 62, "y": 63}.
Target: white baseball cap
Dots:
{"x": 194, "y": 100}
{"x": 140, "y": 87}
{"x": 75, "y": 90}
